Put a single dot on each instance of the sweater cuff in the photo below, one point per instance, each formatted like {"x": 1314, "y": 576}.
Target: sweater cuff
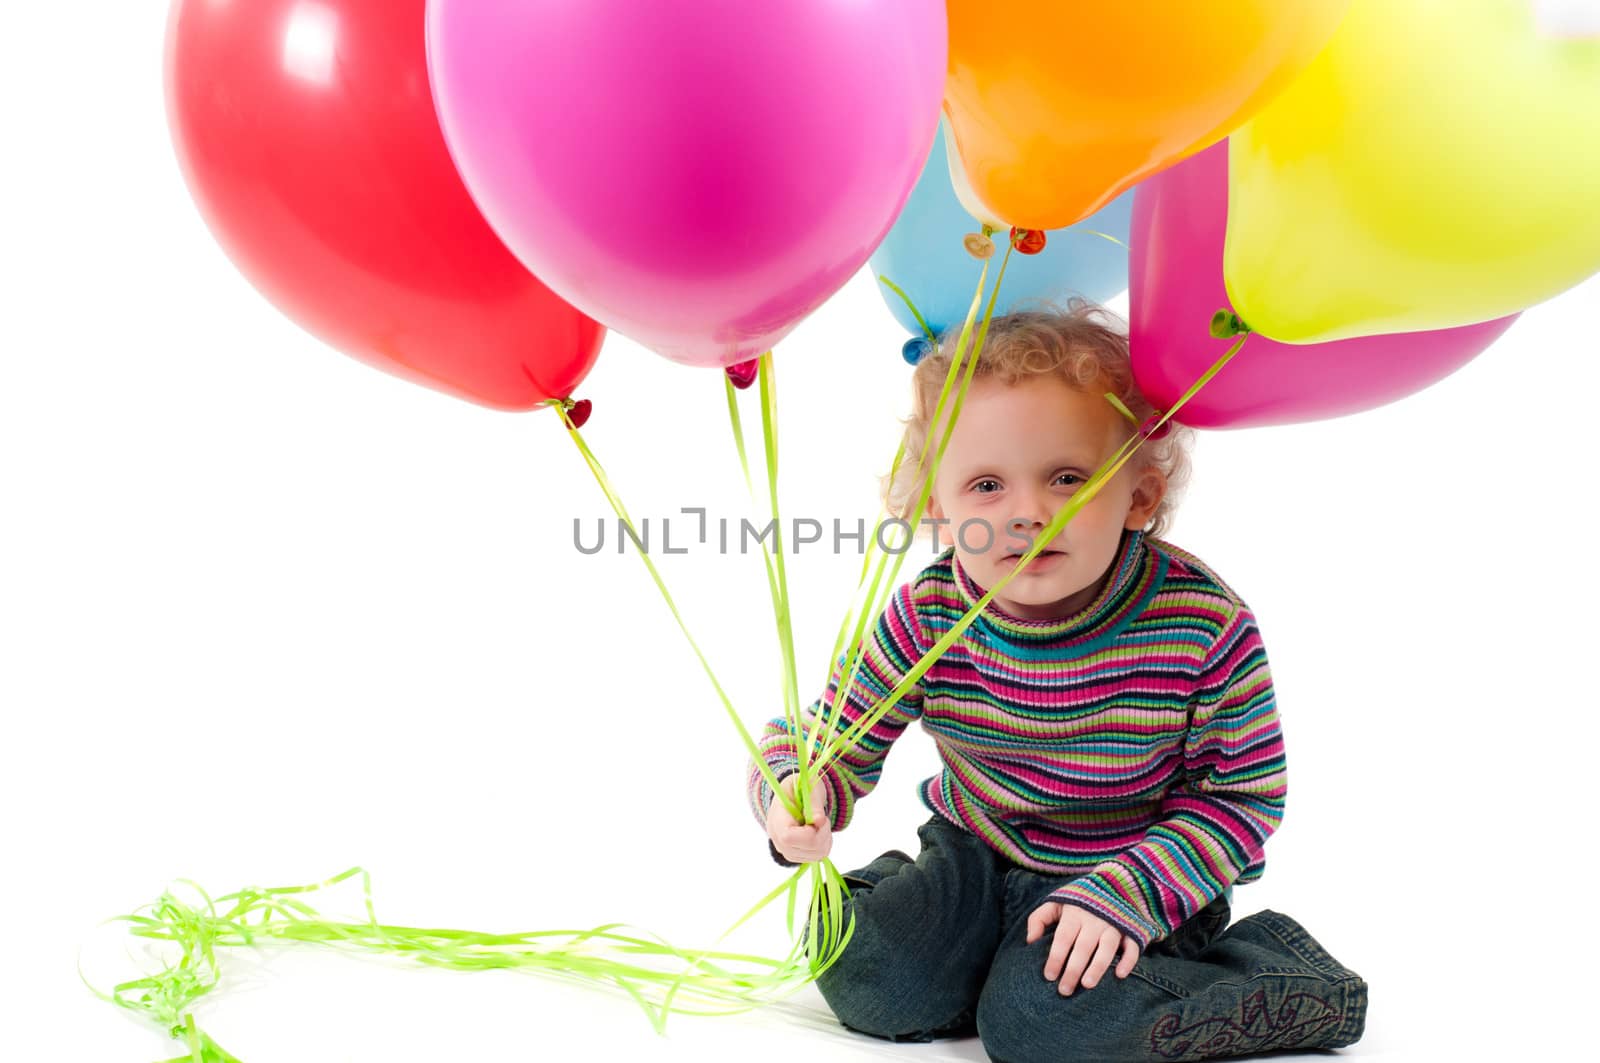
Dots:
{"x": 765, "y": 793}
{"x": 1082, "y": 893}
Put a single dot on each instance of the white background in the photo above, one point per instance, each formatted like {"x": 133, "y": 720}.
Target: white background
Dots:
{"x": 268, "y": 613}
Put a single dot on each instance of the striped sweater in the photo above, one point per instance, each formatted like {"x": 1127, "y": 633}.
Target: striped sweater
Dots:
{"x": 1135, "y": 745}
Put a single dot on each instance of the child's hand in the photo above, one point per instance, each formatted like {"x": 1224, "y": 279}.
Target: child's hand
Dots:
{"x": 1092, "y": 941}
{"x": 801, "y": 843}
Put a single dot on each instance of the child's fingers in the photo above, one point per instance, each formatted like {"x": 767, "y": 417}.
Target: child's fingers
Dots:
{"x": 1101, "y": 959}
{"x": 796, "y": 833}
{"x": 803, "y": 845}
{"x": 1061, "y": 947}
{"x": 816, "y": 803}
{"x": 799, "y": 836}
{"x": 1041, "y": 918}
{"x": 778, "y": 811}
{"x": 1130, "y": 956}
{"x": 1088, "y": 953}
{"x": 797, "y": 841}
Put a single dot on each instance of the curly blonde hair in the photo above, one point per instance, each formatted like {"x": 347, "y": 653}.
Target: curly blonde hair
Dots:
{"x": 1086, "y": 346}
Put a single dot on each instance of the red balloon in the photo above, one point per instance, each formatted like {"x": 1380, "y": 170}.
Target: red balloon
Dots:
{"x": 307, "y": 135}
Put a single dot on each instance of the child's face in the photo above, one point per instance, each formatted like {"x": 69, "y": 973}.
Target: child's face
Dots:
{"x": 1018, "y": 454}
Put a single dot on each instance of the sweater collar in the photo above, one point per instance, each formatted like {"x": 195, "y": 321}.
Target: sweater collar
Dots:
{"x": 1135, "y": 572}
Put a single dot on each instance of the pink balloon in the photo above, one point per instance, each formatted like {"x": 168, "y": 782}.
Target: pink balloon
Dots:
{"x": 698, "y": 175}
{"x": 1179, "y": 223}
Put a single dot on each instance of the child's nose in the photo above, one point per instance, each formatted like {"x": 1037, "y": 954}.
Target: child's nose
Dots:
{"x": 1027, "y": 525}
{"x": 1033, "y": 508}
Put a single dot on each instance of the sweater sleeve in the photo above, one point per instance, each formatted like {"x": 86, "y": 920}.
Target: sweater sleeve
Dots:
{"x": 893, "y": 648}
{"x": 1216, "y": 820}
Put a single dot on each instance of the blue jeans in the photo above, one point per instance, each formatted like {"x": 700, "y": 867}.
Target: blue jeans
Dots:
{"x": 940, "y": 950}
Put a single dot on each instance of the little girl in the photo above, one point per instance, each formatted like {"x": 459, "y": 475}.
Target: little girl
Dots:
{"x": 1112, "y": 757}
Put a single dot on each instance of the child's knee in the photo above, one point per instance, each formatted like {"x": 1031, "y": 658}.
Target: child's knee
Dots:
{"x": 888, "y": 984}
{"x": 1023, "y": 1017}
{"x": 898, "y": 1002}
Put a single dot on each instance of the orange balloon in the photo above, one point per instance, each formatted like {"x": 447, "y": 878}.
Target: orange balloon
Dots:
{"x": 1058, "y": 108}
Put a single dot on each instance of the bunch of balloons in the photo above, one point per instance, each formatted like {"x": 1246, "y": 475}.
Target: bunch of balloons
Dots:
{"x": 468, "y": 193}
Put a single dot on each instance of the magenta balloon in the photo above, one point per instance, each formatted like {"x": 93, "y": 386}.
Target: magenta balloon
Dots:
{"x": 698, "y": 175}
{"x": 1175, "y": 271}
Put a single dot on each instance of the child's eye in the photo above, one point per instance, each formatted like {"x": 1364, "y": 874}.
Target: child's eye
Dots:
{"x": 1072, "y": 476}
{"x": 978, "y": 487}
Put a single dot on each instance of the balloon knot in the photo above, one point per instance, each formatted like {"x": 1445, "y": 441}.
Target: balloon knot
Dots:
{"x": 744, "y": 373}
{"x": 577, "y": 411}
{"x": 916, "y": 349}
{"x": 1225, "y": 323}
{"x": 1148, "y": 429}
{"x": 1027, "y": 241}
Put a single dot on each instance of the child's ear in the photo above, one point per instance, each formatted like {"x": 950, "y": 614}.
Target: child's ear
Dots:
{"x": 933, "y": 511}
{"x": 1148, "y": 491}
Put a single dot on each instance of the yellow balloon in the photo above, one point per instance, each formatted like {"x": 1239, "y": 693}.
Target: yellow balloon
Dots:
{"x": 1437, "y": 165}
{"x": 1057, "y": 108}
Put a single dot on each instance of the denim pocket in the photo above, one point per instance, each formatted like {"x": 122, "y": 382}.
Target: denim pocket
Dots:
{"x": 1142, "y": 971}
{"x": 890, "y": 863}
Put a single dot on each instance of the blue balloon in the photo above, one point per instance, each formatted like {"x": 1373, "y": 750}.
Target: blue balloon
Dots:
{"x": 923, "y": 254}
